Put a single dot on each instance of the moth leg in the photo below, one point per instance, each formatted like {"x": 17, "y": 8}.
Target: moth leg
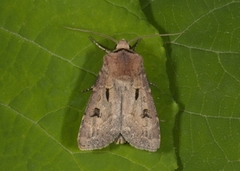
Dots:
{"x": 88, "y": 89}
{"x": 152, "y": 84}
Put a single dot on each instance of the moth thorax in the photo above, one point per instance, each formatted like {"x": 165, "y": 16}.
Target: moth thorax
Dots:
{"x": 122, "y": 44}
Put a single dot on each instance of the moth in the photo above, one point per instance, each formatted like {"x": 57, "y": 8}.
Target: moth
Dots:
{"x": 121, "y": 106}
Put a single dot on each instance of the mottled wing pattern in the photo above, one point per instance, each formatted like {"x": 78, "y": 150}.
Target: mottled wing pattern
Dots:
{"x": 101, "y": 122}
{"x": 140, "y": 124}
{"x": 121, "y": 106}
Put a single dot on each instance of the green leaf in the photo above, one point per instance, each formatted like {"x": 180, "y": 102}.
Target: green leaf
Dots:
{"x": 203, "y": 69}
{"x": 44, "y": 67}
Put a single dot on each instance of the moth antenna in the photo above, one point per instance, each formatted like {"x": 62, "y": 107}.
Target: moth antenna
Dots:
{"x": 135, "y": 44}
{"x": 93, "y": 32}
{"x": 98, "y": 45}
{"x": 154, "y": 35}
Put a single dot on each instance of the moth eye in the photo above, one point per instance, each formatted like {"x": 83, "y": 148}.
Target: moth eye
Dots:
{"x": 145, "y": 113}
{"x": 96, "y": 112}
{"x": 136, "y": 94}
{"x": 107, "y": 94}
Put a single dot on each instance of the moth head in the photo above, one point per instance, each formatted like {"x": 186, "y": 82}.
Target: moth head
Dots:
{"x": 122, "y": 44}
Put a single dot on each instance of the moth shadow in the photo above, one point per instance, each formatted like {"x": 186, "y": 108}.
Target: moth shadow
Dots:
{"x": 171, "y": 69}
{"x": 78, "y": 99}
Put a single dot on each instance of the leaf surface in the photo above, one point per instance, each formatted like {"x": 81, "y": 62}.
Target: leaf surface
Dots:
{"x": 44, "y": 68}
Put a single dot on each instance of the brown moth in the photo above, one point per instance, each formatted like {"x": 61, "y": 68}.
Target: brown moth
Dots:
{"x": 121, "y": 106}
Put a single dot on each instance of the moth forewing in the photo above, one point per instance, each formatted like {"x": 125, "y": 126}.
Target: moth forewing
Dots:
{"x": 99, "y": 125}
{"x": 121, "y": 106}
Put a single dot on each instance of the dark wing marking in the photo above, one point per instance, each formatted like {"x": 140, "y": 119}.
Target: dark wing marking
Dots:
{"x": 140, "y": 124}
{"x": 101, "y": 122}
